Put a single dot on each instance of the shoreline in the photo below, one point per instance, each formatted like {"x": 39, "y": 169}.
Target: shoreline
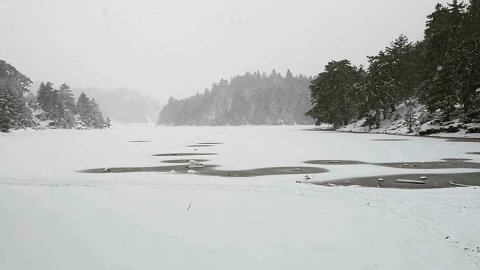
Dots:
{"x": 413, "y": 181}
{"x": 448, "y": 138}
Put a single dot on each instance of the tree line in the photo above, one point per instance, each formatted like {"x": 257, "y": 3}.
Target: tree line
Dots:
{"x": 442, "y": 71}
{"x": 55, "y": 107}
{"x": 249, "y": 99}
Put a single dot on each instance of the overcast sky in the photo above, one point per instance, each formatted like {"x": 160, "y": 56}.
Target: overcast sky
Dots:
{"x": 177, "y": 47}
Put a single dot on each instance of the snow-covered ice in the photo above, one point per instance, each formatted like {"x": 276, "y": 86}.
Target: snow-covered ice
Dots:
{"x": 54, "y": 217}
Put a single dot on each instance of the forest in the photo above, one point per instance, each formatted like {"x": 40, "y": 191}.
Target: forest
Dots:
{"x": 441, "y": 72}
{"x": 50, "y": 108}
{"x": 250, "y": 99}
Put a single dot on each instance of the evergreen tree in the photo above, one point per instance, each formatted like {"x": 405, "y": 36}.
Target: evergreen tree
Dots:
{"x": 108, "y": 122}
{"x": 443, "y": 33}
{"x": 7, "y": 109}
{"x": 89, "y": 112}
{"x": 13, "y": 110}
{"x": 96, "y": 115}
{"x": 392, "y": 77}
{"x": 473, "y": 18}
{"x": 84, "y": 109}
{"x": 68, "y": 103}
{"x": 462, "y": 73}
{"x": 49, "y": 100}
{"x": 66, "y": 97}
{"x": 334, "y": 93}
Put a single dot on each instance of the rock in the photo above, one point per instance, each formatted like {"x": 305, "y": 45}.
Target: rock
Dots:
{"x": 194, "y": 164}
{"x": 306, "y": 177}
{"x": 107, "y": 170}
{"x": 381, "y": 180}
{"x": 407, "y": 181}
{"x": 423, "y": 178}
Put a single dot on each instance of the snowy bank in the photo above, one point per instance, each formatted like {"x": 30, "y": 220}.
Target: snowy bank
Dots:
{"x": 416, "y": 120}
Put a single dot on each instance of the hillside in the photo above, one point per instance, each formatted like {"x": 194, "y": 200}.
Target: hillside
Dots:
{"x": 49, "y": 107}
{"x": 124, "y": 106}
{"x": 413, "y": 118}
{"x": 250, "y": 99}
{"x": 431, "y": 85}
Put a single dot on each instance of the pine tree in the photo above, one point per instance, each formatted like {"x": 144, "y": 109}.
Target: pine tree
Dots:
{"x": 443, "y": 33}
{"x": 334, "y": 92}
{"x": 68, "y": 103}
{"x": 46, "y": 97}
{"x": 50, "y": 101}
{"x": 84, "y": 110}
{"x": 96, "y": 115}
{"x": 7, "y": 109}
{"x": 392, "y": 77}
{"x": 13, "y": 110}
{"x": 108, "y": 122}
{"x": 473, "y": 18}
{"x": 66, "y": 97}
{"x": 463, "y": 77}
{"x": 89, "y": 112}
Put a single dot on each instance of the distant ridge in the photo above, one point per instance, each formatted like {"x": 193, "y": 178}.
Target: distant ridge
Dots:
{"x": 250, "y": 99}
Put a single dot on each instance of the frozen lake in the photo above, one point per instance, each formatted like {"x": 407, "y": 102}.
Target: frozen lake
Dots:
{"x": 55, "y": 217}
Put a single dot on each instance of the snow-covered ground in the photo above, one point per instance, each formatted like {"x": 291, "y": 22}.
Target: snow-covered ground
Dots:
{"x": 421, "y": 121}
{"x": 54, "y": 217}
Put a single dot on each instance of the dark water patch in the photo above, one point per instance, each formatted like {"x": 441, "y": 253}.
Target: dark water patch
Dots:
{"x": 390, "y": 181}
{"x": 433, "y": 165}
{"x": 450, "y": 139}
{"x": 456, "y": 159}
{"x": 200, "y": 145}
{"x": 210, "y": 143}
{"x": 446, "y": 138}
{"x": 264, "y": 171}
{"x": 389, "y": 140}
{"x": 184, "y": 154}
{"x": 182, "y": 161}
{"x": 212, "y": 171}
{"x": 335, "y": 162}
{"x": 177, "y": 168}
{"x": 473, "y": 153}
{"x": 138, "y": 141}
{"x": 320, "y": 129}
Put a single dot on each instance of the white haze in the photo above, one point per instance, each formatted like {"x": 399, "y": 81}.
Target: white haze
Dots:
{"x": 176, "y": 48}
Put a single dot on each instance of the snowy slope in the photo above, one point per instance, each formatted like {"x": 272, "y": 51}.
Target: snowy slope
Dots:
{"x": 423, "y": 121}
{"x": 56, "y": 218}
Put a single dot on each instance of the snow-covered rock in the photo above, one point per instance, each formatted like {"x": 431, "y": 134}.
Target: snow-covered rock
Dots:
{"x": 194, "y": 164}
{"x": 422, "y": 123}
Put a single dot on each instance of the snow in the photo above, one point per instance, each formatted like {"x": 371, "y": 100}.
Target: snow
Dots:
{"x": 54, "y": 217}
{"x": 194, "y": 164}
{"x": 396, "y": 124}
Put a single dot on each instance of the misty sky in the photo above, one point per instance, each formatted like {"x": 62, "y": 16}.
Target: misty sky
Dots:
{"x": 176, "y": 47}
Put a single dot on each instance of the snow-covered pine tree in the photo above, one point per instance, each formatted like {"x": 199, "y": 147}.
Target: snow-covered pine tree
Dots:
{"x": 13, "y": 110}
